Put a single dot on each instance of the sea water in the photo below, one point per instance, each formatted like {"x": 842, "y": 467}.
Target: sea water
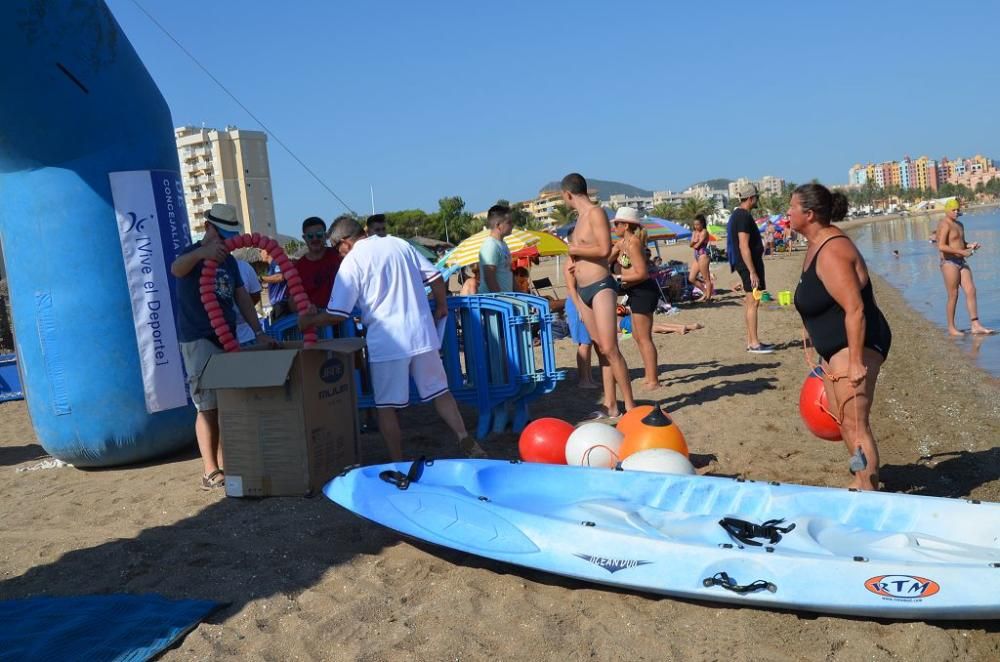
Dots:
{"x": 917, "y": 273}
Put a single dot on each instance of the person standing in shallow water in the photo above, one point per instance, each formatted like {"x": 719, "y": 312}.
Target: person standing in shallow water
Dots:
{"x": 835, "y": 300}
{"x": 955, "y": 270}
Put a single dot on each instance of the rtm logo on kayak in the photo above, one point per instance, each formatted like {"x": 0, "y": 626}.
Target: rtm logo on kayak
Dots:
{"x": 612, "y": 565}
{"x": 902, "y": 587}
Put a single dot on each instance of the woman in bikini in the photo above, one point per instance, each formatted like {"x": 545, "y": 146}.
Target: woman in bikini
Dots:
{"x": 643, "y": 294}
{"x": 700, "y": 265}
{"x": 847, "y": 329}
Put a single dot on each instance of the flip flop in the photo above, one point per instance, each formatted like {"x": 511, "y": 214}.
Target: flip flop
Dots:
{"x": 472, "y": 449}
{"x": 602, "y": 415}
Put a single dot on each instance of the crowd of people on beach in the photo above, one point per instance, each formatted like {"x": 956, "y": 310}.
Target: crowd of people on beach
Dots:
{"x": 353, "y": 269}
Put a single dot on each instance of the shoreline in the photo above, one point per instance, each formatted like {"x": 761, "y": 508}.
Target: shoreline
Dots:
{"x": 306, "y": 579}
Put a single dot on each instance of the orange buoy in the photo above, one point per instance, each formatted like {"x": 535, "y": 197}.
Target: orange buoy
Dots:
{"x": 654, "y": 430}
{"x": 632, "y": 418}
{"x": 814, "y": 407}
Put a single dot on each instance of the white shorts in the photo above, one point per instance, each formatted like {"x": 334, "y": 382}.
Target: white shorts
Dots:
{"x": 391, "y": 379}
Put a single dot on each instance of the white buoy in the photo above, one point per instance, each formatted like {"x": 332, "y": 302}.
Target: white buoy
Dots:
{"x": 658, "y": 460}
{"x": 594, "y": 445}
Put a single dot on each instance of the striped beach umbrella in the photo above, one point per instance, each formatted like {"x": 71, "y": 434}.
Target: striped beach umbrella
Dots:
{"x": 467, "y": 252}
{"x": 654, "y": 231}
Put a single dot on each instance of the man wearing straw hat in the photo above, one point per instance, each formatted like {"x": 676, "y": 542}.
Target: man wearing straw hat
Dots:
{"x": 597, "y": 292}
{"x": 194, "y": 330}
{"x": 384, "y": 277}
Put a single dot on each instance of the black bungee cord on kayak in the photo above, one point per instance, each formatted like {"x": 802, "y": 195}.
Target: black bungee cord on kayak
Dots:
{"x": 402, "y": 481}
{"x": 745, "y": 532}
{"x": 725, "y": 581}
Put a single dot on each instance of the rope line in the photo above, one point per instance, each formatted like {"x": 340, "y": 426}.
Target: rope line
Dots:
{"x": 241, "y": 105}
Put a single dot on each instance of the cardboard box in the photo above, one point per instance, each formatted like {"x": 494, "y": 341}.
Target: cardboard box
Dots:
{"x": 288, "y": 417}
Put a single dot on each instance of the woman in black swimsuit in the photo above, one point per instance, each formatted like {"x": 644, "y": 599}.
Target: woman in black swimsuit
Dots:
{"x": 835, "y": 299}
{"x": 643, "y": 294}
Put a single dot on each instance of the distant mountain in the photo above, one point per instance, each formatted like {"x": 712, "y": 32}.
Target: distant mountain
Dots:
{"x": 715, "y": 184}
{"x": 605, "y": 189}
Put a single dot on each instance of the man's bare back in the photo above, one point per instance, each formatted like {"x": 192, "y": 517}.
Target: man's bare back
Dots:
{"x": 592, "y": 231}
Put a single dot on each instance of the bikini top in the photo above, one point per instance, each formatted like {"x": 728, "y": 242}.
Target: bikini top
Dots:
{"x": 624, "y": 261}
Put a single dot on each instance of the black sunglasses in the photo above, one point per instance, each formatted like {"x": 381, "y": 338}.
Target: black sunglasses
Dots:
{"x": 314, "y": 235}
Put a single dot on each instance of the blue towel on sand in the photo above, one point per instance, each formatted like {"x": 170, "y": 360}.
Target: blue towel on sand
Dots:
{"x": 96, "y": 627}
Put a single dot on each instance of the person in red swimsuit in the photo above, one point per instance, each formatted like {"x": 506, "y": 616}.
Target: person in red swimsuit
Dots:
{"x": 318, "y": 267}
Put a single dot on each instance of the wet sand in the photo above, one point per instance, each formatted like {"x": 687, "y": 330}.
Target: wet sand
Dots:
{"x": 306, "y": 580}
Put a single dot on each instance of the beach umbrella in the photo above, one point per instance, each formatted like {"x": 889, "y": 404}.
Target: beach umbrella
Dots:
{"x": 423, "y": 250}
{"x": 548, "y": 244}
{"x": 717, "y": 230}
{"x": 467, "y": 252}
{"x": 680, "y": 231}
{"x": 655, "y": 231}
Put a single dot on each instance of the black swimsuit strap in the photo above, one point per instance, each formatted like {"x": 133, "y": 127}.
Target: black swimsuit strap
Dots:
{"x": 825, "y": 242}
{"x": 816, "y": 257}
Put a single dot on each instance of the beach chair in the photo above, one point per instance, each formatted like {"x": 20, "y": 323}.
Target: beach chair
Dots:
{"x": 544, "y": 283}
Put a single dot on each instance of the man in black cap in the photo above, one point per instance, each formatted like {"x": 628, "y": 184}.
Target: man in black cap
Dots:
{"x": 194, "y": 329}
{"x": 746, "y": 257}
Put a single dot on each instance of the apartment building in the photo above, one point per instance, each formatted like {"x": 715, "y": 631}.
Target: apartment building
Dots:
{"x": 231, "y": 166}
{"x": 767, "y": 185}
{"x": 925, "y": 173}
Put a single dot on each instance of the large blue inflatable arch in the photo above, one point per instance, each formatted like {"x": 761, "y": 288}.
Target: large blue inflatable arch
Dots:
{"x": 91, "y": 214}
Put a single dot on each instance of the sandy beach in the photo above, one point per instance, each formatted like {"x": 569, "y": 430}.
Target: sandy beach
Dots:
{"x": 304, "y": 579}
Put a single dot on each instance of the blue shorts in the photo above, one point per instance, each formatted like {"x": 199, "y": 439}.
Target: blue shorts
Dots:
{"x": 577, "y": 330}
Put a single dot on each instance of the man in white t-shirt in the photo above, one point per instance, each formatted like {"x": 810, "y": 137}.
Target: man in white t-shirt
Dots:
{"x": 244, "y": 334}
{"x": 384, "y": 277}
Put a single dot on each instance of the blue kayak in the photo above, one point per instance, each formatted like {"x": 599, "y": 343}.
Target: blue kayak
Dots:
{"x": 731, "y": 540}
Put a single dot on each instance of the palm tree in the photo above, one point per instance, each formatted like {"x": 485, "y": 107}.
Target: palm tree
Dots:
{"x": 666, "y": 211}
{"x": 694, "y": 206}
{"x": 561, "y": 215}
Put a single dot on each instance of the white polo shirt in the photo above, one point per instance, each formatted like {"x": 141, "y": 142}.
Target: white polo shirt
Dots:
{"x": 384, "y": 277}
{"x": 244, "y": 333}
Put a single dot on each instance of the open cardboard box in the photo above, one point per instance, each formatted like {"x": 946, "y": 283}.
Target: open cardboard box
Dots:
{"x": 287, "y": 417}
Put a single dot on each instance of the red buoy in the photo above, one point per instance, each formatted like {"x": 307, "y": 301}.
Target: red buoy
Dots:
{"x": 544, "y": 440}
{"x": 814, "y": 407}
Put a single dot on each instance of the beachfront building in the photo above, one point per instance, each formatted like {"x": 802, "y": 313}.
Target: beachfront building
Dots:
{"x": 545, "y": 205}
{"x": 641, "y": 202}
{"x": 925, "y": 173}
{"x": 230, "y": 166}
{"x": 767, "y": 185}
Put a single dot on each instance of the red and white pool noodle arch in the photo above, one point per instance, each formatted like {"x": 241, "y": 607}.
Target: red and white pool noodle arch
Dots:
{"x": 216, "y": 316}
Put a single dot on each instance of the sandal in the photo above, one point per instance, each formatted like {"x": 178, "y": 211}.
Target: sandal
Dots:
{"x": 213, "y": 480}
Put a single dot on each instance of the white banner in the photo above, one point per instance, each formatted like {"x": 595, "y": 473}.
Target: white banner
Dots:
{"x": 153, "y": 228}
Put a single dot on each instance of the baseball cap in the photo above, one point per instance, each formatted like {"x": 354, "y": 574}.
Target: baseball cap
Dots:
{"x": 747, "y": 191}
{"x": 952, "y": 204}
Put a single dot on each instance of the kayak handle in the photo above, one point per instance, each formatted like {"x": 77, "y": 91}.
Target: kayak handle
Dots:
{"x": 725, "y": 581}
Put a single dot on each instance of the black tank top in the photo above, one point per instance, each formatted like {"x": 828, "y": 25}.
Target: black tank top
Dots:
{"x": 824, "y": 318}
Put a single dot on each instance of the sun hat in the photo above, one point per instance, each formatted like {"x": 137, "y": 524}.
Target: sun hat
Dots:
{"x": 952, "y": 204}
{"x": 747, "y": 191}
{"x": 223, "y": 217}
{"x": 627, "y": 215}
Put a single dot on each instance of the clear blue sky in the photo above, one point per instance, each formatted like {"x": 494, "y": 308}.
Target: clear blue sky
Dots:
{"x": 492, "y": 100}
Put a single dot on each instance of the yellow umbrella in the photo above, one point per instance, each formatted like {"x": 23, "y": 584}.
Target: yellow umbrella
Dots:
{"x": 548, "y": 244}
{"x": 467, "y": 252}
